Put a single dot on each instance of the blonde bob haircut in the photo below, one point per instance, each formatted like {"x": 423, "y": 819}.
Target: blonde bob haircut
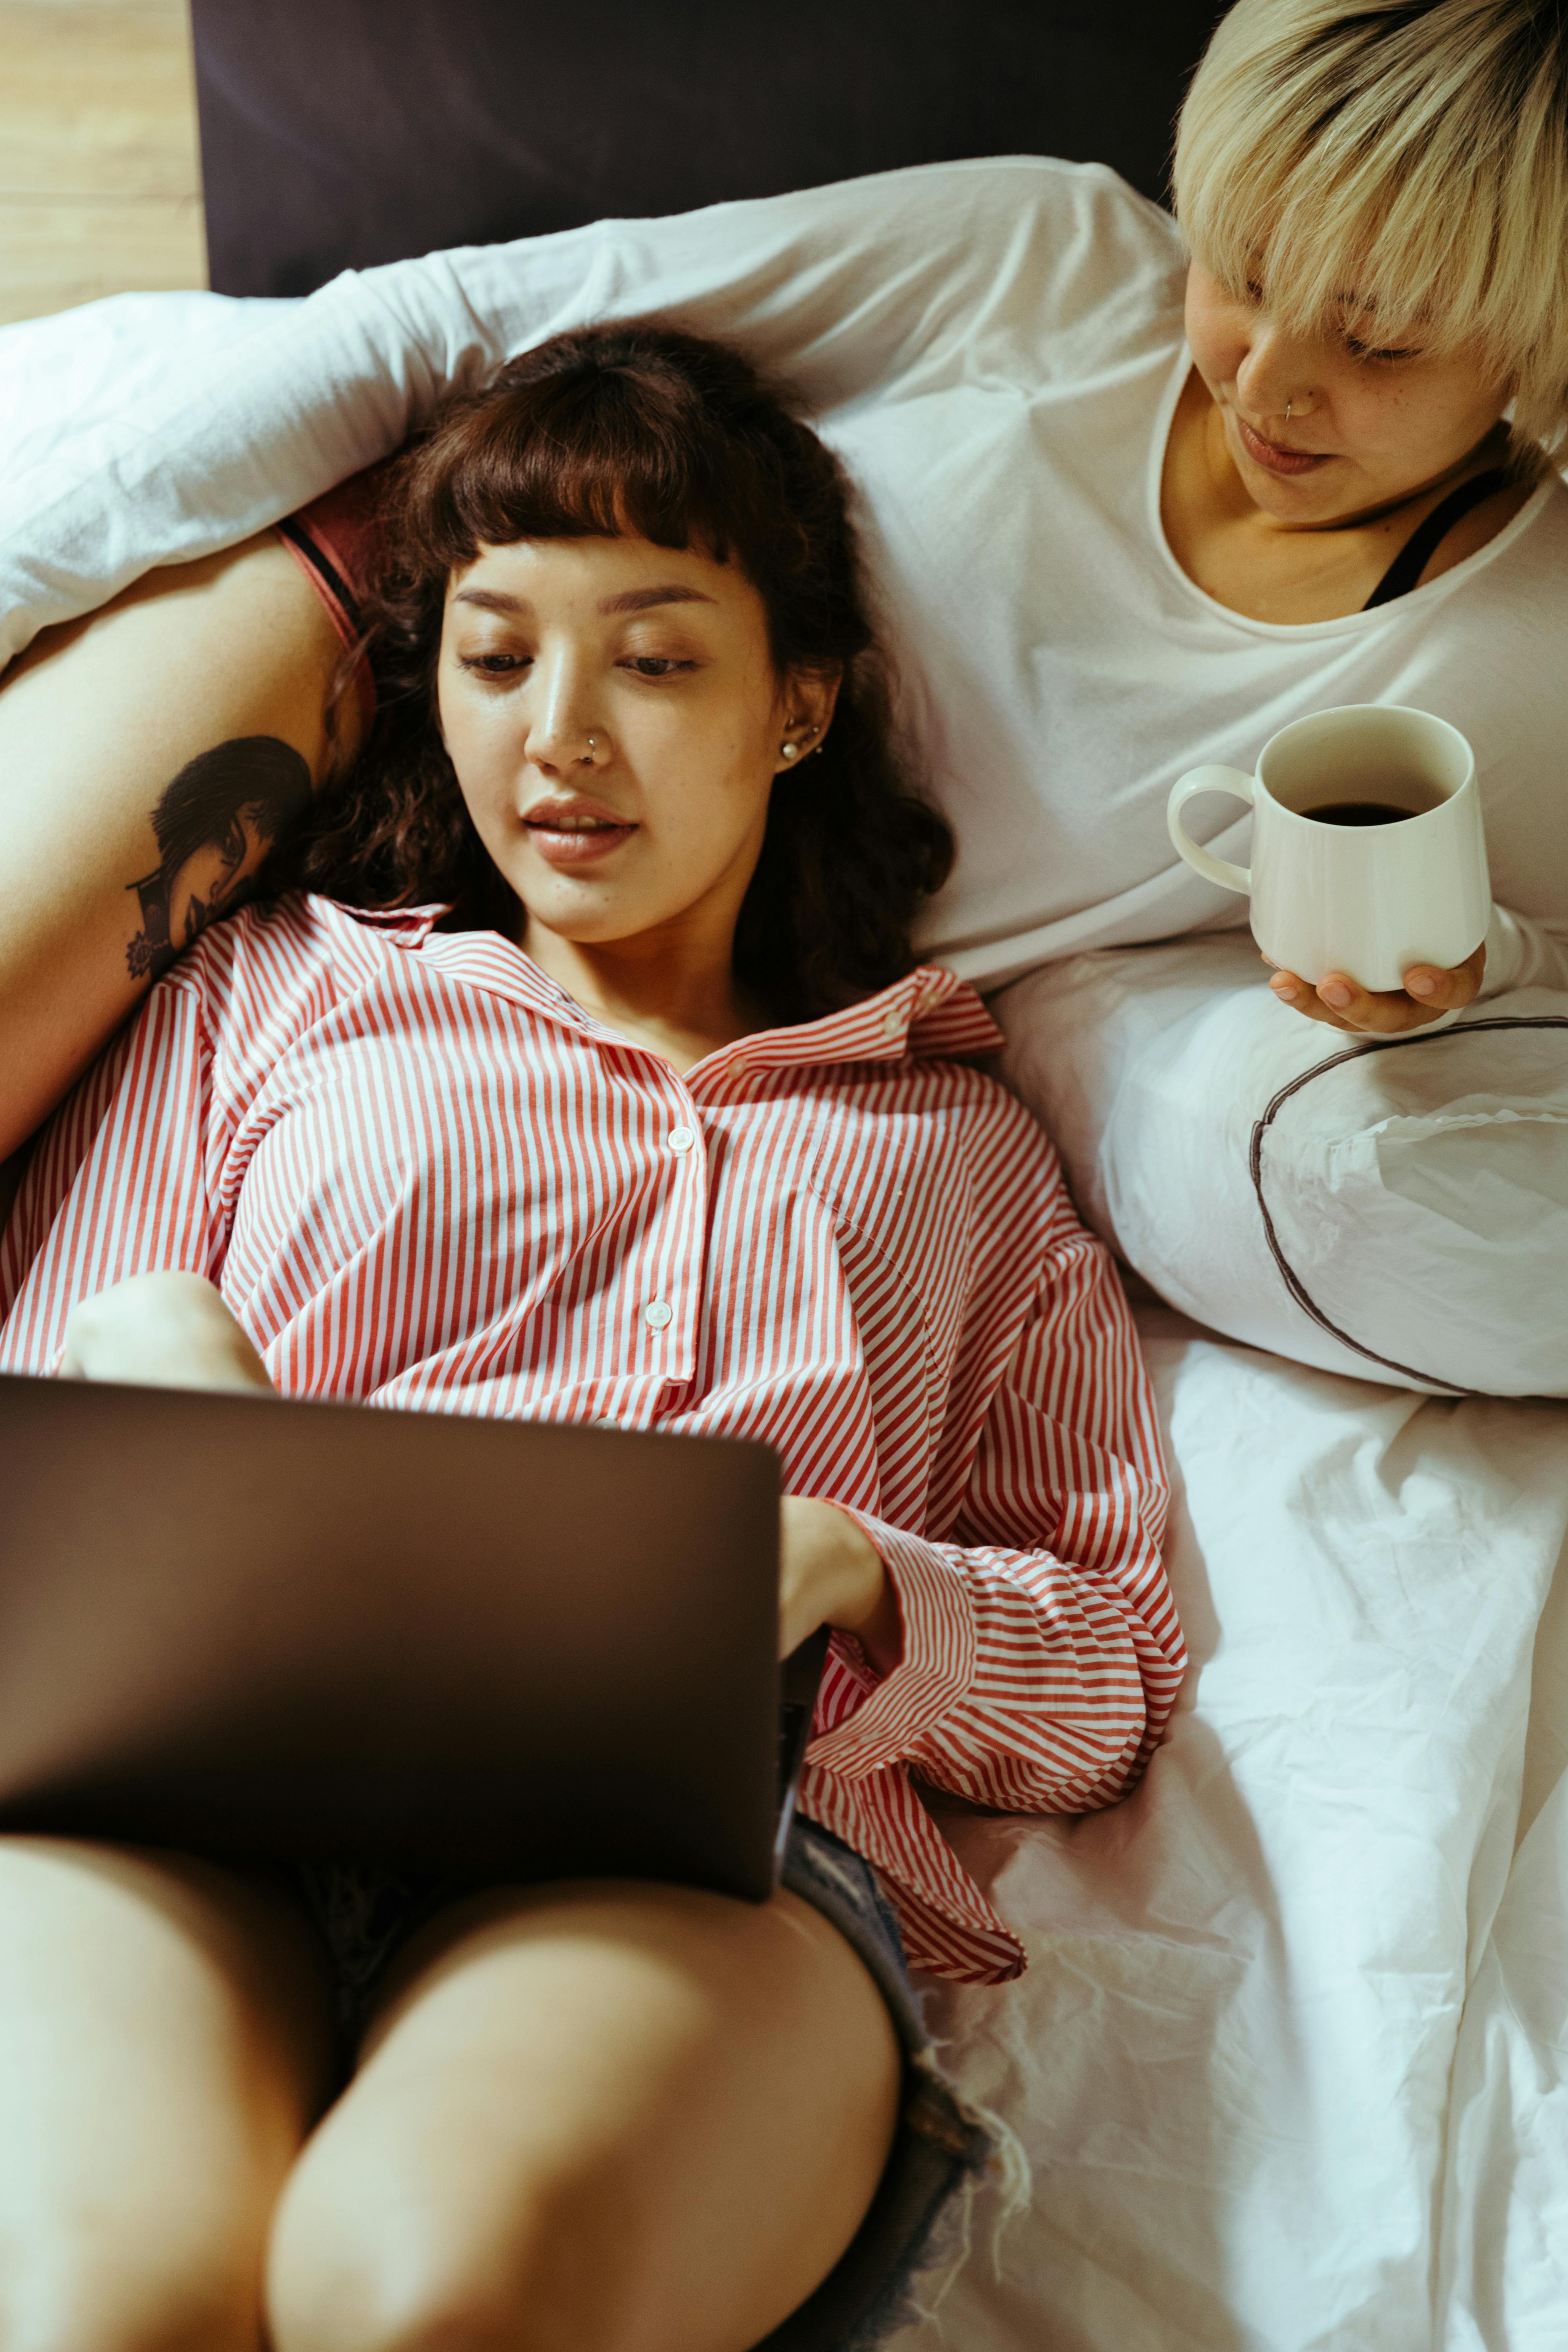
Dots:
{"x": 1409, "y": 157}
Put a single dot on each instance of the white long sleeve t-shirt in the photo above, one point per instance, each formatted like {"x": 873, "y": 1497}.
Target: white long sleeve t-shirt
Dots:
{"x": 996, "y": 349}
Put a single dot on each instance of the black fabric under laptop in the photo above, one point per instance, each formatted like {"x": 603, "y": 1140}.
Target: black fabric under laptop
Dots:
{"x": 258, "y": 1628}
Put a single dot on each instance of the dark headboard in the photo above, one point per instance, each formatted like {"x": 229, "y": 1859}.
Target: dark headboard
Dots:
{"x": 337, "y": 133}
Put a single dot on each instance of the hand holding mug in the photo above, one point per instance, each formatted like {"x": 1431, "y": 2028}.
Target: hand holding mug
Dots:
{"x": 1368, "y": 883}
{"x": 1344, "y": 1003}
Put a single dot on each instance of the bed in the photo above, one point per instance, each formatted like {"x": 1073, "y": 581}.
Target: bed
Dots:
{"x": 1291, "y": 2061}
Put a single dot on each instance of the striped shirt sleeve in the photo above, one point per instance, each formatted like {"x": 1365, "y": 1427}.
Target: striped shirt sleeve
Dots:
{"x": 1041, "y": 1651}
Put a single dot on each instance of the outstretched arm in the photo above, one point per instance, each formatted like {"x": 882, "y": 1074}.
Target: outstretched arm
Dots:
{"x": 839, "y": 288}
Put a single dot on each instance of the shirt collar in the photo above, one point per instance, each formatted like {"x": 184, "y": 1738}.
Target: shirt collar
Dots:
{"x": 413, "y": 922}
{"x": 929, "y": 1013}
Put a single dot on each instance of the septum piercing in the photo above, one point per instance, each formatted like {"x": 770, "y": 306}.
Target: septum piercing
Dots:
{"x": 1288, "y": 408}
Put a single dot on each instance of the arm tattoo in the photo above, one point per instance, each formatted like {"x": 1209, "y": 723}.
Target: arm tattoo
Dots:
{"x": 214, "y": 824}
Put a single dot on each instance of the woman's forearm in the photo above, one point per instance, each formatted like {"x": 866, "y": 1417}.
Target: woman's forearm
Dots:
{"x": 832, "y": 1574}
{"x": 147, "y": 757}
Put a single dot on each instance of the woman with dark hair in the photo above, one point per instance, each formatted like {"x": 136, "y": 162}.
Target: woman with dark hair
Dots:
{"x": 644, "y": 431}
{"x": 602, "y": 1086}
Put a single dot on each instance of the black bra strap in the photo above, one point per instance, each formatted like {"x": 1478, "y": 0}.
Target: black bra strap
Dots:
{"x": 321, "y": 563}
{"x": 1424, "y": 541}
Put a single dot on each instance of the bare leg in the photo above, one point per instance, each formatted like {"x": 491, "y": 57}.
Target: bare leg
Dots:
{"x": 609, "y": 2118}
{"x": 163, "y": 2048}
{"x": 97, "y": 719}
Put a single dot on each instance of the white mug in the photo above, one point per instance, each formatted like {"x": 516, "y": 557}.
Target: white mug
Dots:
{"x": 1365, "y": 894}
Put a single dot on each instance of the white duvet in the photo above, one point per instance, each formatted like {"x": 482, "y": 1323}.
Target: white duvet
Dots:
{"x": 1291, "y": 2058}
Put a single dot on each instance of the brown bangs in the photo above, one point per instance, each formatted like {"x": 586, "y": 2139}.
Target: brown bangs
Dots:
{"x": 579, "y": 458}
{"x": 616, "y": 443}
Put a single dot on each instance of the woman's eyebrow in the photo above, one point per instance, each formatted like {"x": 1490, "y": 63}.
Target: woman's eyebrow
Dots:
{"x": 641, "y": 600}
{"x": 631, "y": 600}
{"x": 491, "y": 600}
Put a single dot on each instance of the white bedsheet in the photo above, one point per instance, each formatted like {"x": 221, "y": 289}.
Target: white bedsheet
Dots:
{"x": 1260, "y": 2110}
{"x": 1504, "y": 2281}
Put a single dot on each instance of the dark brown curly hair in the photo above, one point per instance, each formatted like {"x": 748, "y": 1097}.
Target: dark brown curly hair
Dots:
{"x": 641, "y": 429}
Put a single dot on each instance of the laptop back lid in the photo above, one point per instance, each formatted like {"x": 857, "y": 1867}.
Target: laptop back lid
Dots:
{"x": 257, "y": 1628}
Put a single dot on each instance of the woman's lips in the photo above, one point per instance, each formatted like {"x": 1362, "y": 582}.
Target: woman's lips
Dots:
{"x": 574, "y": 835}
{"x": 1276, "y": 460}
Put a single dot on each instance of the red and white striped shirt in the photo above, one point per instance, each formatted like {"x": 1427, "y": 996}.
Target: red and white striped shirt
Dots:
{"x": 421, "y": 1175}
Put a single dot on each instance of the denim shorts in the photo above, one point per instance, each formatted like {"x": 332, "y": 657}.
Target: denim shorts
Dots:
{"x": 366, "y": 1915}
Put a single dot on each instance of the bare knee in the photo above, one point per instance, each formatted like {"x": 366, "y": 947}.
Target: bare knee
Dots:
{"x": 156, "y": 2056}
{"x": 349, "y": 2278}
{"x": 605, "y": 2122}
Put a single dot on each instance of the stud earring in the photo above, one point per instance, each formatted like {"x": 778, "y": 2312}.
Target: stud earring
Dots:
{"x": 790, "y": 750}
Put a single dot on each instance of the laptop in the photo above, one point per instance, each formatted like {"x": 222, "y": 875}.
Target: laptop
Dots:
{"x": 258, "y": 1629}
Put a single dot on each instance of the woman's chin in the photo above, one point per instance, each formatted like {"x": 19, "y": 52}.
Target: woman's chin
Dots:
{"x": 571, "y": 900}
{"x": 1315, "y": 497}
{"x": 580, "y": 914}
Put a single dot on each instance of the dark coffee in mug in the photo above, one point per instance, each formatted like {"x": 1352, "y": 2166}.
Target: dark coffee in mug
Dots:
{"x": 1360, "y": 813}
{"x": 1385, "y": 798}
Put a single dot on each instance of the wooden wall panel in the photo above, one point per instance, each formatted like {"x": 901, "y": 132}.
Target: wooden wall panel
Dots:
{"x": 99, "y": 171}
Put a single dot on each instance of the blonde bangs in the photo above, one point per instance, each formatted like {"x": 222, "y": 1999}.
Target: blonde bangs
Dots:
{"x": 1411, "y": 159}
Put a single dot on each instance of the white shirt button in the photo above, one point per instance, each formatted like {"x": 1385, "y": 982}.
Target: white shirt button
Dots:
{"x": 892, "y": 1021}
{"x": 681, "y": 1139}
{"x": 658, "y": 1313}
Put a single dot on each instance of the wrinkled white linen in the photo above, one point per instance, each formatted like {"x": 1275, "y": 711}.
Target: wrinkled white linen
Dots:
{"x": 1504, "y": 2283}
{"x": 1230, "y": 2059}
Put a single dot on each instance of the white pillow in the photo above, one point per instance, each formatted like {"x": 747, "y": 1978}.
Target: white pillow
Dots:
{"x": 1397, "y": 1210}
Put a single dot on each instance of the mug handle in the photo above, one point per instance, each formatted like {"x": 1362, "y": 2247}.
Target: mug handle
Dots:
{"x": 1209, "y": 780}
